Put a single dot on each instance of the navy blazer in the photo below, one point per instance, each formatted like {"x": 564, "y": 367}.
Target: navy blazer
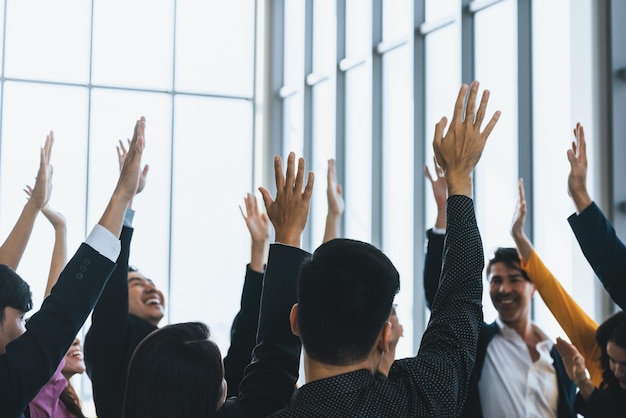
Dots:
{"x": 604, "y": 251}
{"x": 32, "y": 359}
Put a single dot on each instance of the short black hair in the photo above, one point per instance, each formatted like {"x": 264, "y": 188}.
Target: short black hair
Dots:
{"x": 345, "y": 295}
{"x": 14, "y": 291}
{"x": 176, "y": 371}
{"x": 612, "y": 329}
{"x": 510, "y": 257}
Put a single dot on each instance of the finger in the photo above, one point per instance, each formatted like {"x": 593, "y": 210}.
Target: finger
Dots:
{"x": 438, "y": 168}
{"x": 491, "y": 125}
{"x": 582, "y": 144}
{"x": 300, "y": 176}
{"x": 49, "y": 147}
{"x": 471, "y": 103}
{"x": 267, "y": 198}
{"x": 290, "y": 173}
{"x": 339, "y": 190}
{"x": 248, "y": 204}
{"x": 255, "y": 206}
{"x": 144, "y": 173}
{"x": 121, "y": 146}
{"x": 308, "y": 190}
{"x": 439, "y": 128}
{"x": 522, "y": 195}
{"x": 278, "y": 175}
{"x": 458, "y": 105}
{"x": 482, "y": 108}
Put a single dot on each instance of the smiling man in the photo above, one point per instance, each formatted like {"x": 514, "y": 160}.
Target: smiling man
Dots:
{"x": 518, "y": 372}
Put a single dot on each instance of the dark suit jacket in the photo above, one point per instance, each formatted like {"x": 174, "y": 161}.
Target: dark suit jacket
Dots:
{"x": 604, "y": 251}
{"x": 243, "y": 331}
{"x": 473, "y": 408}
{"x": 270, "y": 379}
{"x": 112, "y": 338}
{"x": 31, "y": 359}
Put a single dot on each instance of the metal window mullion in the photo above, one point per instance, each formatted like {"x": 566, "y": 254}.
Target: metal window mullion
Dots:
{"x": 377, "y": 124}
{"x": 340, "y": 106}
{"x": 419, "y": 156}
{"x": 307, "y": 237}
{"x": 276, "y": 73}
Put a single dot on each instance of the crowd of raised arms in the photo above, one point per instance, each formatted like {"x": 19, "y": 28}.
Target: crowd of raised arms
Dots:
{"x": 331, "y": 312}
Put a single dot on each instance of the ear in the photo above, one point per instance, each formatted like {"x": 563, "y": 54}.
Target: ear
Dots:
{"x": 384, "y": 337}
{"x": 293, "y": 319}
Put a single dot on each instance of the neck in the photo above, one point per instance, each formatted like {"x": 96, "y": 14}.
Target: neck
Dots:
{"x": 315, "y": 370}
{"x": 523, "y": 326}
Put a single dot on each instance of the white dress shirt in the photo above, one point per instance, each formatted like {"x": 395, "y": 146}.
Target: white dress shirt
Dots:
{"x": 511, "y": 384}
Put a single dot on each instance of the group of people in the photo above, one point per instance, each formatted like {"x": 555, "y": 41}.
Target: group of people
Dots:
{"x": 519, "y": 370}
{"x": 331, "y": 310}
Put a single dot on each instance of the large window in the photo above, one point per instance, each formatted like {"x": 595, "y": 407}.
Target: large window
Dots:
{"x": 87, "y": 71}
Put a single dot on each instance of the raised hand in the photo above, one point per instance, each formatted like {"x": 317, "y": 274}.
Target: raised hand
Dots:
{"x": 459, "y": 150}
{"x": 55, "y": 218}
{"x": 40, "y": 194}
{"x": 577, "y": 178}
{"x": 336, "y": 205}
{"x": 121, "y": 156}
{"x": 440, "y": 192}
{"x": 127, "y": 183}
{"x": 257, "y": 224}
{"x": 517, "y": 227}
{"x": 290, "y": 210}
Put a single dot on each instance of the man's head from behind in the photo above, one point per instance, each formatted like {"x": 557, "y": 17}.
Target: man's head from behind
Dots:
{"x": 510, "y": 288}
{"x": 15, "y": 300}
{"x": 345, "y": 295}
{"x": 144, "y": 299}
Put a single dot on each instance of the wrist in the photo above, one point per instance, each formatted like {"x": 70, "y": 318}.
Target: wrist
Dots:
{"x": 459, "y": 184}
{"x": 288, "y": 237}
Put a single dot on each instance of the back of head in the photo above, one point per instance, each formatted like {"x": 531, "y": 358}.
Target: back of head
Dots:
{"x": 174, "y": 372}
{"x": 345, "y": 295}
{"x": 510, "y": 257}
{"x": 612, "y": 329}
{"x": 14, "y": 291}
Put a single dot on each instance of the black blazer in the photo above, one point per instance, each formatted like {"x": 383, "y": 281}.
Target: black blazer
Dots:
{"x": 32, "y": 359}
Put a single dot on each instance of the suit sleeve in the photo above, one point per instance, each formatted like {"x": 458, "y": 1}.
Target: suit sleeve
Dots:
{"x": 432, "y": 265}
{"x": 31, "y": 359}
{"x": 243, "y": 331}
{"x": 604, "y": 251}
{"x": 270, "y": 379}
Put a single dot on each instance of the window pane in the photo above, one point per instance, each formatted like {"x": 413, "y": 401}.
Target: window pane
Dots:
{"x": 443, "y": 79}
{"x": 497, "y": 172}
{"x": 138, "y": 52}
{"x": 293, "y": 114}
{"x": 398, "y": 175}
{"x": 294, "y": 44}
{"x": 51, "y": 43}
{"x": 324, "y": 36}
{"x": 215, "y": 46}
{"x": 438, "y": 9}
{"x": 358, "y": 28}
{"x": 397, "y": 19}
{"x": 358, "y": 183}
{"x": 323, "y": 149}
{"x": 30, "y": 112}
{"x": 212, "y": 140}
{"x": 113, "y": 118}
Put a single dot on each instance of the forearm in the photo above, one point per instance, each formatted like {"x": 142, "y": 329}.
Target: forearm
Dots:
{"x": 440, "y": 222}
{"x": 332, "y": 227}
{"x": 581, "y": 199}
{"x": 523, "y": 244}
{"x": 585, "y": 386}
{"x": 257, "y": 256}
{"x": 12, "y": 250}
{"x": 59, "y": 257}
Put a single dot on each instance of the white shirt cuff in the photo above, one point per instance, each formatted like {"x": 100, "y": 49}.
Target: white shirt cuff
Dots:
{"x": 103, "y": 241}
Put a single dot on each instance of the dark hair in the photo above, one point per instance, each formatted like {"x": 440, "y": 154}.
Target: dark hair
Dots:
{"x": 14, "y": 291}
{"x": 174, "y": 372}
{"x": 510, "y": 257}
{"x": 70, "y": 399}
{"x": 345, "y": 295}
{"x": 612, "y": 329}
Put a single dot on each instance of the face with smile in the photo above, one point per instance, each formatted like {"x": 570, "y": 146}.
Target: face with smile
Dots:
{"x": 74, "y": 363}
{"x": 511, "y": 294}
{"x": 12, "y": 326}
{"x": 617, "y": 362}
{"x": 144, "y": 299}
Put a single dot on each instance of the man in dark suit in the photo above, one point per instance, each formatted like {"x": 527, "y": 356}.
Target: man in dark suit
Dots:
{"x": 345, "y": 297}
{"x": 30, "y": 355}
